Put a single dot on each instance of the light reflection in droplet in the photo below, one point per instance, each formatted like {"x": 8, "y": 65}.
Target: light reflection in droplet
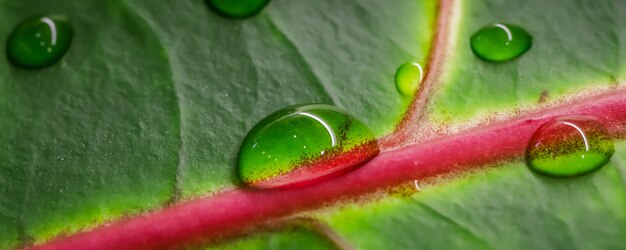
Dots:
{"x": 506, "y": 29}
{"x": 53, "y": 29}
{"x": 331, "y": 133}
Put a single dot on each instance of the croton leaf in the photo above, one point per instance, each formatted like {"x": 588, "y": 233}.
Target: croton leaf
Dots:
{"x": 505, "y": 207}
{"x": 130, "y": 141}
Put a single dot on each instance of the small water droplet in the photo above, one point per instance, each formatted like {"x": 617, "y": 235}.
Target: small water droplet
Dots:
{"x": 237, "y": 8}
{"x": 569, "y": 146}
{"x": 328, "y": 142}
{"x": 500, "y": 42}
{"x": 26, "y": 44}
{"x": 408, "y": 78}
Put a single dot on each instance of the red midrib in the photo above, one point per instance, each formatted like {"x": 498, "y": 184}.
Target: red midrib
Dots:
{"x": 232, "y": 211}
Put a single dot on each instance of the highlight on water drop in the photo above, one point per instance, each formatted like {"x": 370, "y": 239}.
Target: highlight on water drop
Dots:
{"x": 569, "y": 146}
{"x": 300, "y": 145}
{"x": 408, "y": 78}
{"x": 237, "y": 8}
{"x": 39, "y": 41}
{"x": 500, "y": 42}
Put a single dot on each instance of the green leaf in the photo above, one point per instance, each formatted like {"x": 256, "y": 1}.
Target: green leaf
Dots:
{"x": 295, "y": 237}
{"x": 232, "y": 73}
{"x": 576, "y": 50}
{"x": 93, "y": 137}
{"x": 507, "y": 207}
{"x": 153, "y": 98}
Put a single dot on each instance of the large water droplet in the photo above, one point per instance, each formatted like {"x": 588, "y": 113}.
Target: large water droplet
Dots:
{"x": 39, "y": 41}
{"x": 237, "y": 8}
{"x": 500, "y": 42}
{"x": 569, "y": 146}
{"x": 408, "y": 78}
{"x": 302, "y": 144}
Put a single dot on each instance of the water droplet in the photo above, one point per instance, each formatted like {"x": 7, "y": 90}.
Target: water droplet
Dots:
{"x": 569, "y": 146}
{"x": 237, "y": 8}
{"x": 408, "y": 78}
{"x": 25, "y": 47}
{"x": 309, "y": 142}
{"x": 500, "y": 42}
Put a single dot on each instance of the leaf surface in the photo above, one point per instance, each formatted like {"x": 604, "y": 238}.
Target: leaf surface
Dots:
{"x": 505, "y": 207}
{"x": 92, "y": 137}
{"x": 576, "y": 51}
{"x": 149, "y": 106}
{"x": 153, "y": 98}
